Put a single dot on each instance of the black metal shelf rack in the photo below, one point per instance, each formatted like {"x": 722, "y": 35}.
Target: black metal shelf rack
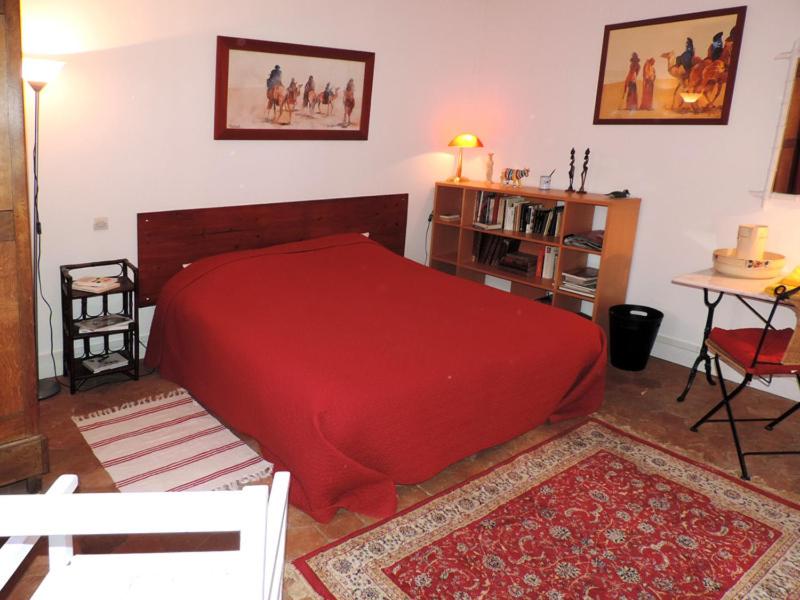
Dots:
{"x": 91, "y": 304}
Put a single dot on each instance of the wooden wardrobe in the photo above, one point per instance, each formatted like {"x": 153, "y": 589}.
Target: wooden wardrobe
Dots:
{"x": 23, "y": 451}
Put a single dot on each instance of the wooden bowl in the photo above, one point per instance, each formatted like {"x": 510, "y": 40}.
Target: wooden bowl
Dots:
{"x": 769, "y": 267}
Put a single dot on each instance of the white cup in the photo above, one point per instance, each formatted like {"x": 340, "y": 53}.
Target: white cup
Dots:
{"x": 751, "y": 241}
{"x": 544, "y": 182}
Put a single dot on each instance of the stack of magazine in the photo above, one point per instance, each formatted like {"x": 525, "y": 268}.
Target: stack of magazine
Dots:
{"x": 582, "y": 280}
{"x": 97, "y": 285}
{"x": 590, "y": 240}
{"x": 103, "y": 324}
{"x": 106, "y": 362}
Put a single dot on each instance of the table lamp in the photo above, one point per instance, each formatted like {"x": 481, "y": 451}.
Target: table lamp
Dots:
{"x": 38, "y": 72}
{"x": 465, "y": 140}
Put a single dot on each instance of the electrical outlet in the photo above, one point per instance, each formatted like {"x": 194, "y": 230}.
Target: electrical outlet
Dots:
{"x": 100, "y": 223}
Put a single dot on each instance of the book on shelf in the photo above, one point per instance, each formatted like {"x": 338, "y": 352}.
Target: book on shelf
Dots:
{"x": 581, "y": 280}
{"x": 97, "y": 285}
{"x": 555, "y": 225}
{"x": 521, "y": 263}
{"x": 588, "y": 291}
{"x": 489, "y": 210}
{"x": 539, "y": 260}
{"x": 589, "y": 240}
{"x": 511, "y": 207}
{"x": 106, "y": 362}
{"x": 487, "y": 225}
{"x": 516, "y": 214}
{"x": 490, "y": 249}
{"x": 581, "y": 275}
{"x": 104, "y": 323}
{"x": 520, "y": 258}
{"x": 452, "y": 217}
{"x": 499, "y": 248}
{"x": 549, "y": 263}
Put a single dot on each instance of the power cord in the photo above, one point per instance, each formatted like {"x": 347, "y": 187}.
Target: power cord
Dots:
{"x": 153, "y": 370}
{"x": 427, "y": 233}
{"x": 38, "y": 243}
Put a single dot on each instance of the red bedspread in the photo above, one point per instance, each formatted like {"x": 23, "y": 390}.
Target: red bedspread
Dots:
{"x": 356, "y": 369}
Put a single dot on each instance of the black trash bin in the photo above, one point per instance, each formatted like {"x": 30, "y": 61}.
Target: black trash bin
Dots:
{"x": 633, "y": 331}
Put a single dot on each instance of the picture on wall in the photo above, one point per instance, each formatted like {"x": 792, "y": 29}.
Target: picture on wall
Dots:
{"x": 278, "y": 91}
{"x": 671, "y": 70}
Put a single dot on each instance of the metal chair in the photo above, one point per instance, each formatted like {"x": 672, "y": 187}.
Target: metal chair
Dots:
{"x": 254, "y": 571}
{"x": 756, "y": 352}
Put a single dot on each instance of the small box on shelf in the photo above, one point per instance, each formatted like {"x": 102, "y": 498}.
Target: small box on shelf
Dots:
{"x": 100, "y": 322}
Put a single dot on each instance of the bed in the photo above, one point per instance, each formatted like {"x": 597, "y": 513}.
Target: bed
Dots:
{"x": 356, "y": 369}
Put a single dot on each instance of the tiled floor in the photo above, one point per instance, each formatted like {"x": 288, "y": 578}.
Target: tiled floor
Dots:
{"x": 643, "y": 403}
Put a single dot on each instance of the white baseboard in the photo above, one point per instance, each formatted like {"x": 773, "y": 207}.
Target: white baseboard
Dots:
{"x": 684, "y": 353}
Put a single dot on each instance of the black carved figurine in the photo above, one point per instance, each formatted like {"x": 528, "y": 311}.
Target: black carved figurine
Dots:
{"x": 571, "y": 170}
{"x": 584, "y": 171}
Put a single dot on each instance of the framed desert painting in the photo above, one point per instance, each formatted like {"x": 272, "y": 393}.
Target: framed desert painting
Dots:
{"x": 277, "y": 91}
{"x": 671, "y": 70}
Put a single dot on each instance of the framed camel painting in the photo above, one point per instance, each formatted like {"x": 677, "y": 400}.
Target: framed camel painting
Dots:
{"x": 671, "y": 70}
{"x": 278, "y": 91}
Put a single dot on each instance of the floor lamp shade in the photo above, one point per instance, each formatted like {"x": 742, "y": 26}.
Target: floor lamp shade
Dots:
{"x": 38, "y": 72}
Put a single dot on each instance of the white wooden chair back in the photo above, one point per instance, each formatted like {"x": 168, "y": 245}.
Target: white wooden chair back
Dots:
{"x": 259, "y": 516}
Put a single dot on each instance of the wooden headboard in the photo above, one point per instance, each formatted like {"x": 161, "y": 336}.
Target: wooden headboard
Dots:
{"x": 169, "y": 239}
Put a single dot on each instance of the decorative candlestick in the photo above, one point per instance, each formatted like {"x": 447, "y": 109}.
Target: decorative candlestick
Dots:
{"x": 571, "y": 170}
{"x": 584, "y": 171}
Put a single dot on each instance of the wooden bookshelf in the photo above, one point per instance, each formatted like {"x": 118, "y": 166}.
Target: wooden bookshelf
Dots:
{"x": 452, "y": 243}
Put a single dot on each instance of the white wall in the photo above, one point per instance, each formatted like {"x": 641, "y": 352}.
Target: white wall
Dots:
{"x": 695, "y": 181}
{"x": 128, "y": 126}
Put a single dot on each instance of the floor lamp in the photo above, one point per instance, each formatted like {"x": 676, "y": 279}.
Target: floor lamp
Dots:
{"x": 38, "y": 73}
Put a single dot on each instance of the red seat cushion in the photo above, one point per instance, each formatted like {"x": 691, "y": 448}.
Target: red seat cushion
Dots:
{"x": 740, "y": 345}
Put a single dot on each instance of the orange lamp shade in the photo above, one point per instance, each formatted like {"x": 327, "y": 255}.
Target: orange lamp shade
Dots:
{"x": 466, "y": 140}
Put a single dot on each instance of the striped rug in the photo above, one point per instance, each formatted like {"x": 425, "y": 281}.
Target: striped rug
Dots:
{"x": 169, "y": 443}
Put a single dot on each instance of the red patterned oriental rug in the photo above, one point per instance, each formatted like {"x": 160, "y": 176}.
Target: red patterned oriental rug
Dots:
{"x": 591, "y": 514}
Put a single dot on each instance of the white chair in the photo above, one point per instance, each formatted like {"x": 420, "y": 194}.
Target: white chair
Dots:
{"x": 254, "y": 571}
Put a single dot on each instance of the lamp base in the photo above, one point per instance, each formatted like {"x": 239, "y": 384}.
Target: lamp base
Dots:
{"x": 48, "y": 388}
{"x": 455, "y": 179}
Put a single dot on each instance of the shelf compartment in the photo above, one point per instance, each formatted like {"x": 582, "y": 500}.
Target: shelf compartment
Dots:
{"x": 444, "y": 241}
{"x": 447, "y": 202}
{"x": 573, "y": 303}
{"x": 539, "y": 294}
{"x": 450, "y": 258}
{"x": 576, "y": 295}
{"x": 537, "y": 282}
{"x": 126, "y": 285}
{"x": 537, "y": 238}
{"x": 444, "y": 267}
{"x": 583, "y": 250}
{"x": 91, "y": 334}
{"x": 81, "y": 373}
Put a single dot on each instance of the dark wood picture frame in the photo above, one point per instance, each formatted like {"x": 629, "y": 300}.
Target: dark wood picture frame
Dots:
{"x": 291, "y": 117}
{"x": 678, "y": 83}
